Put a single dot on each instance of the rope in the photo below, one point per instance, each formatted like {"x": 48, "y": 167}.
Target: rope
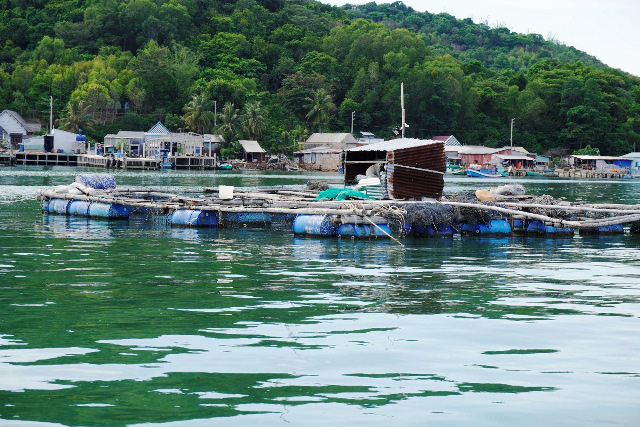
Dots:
{"x": 417, "y": 169}
{"x": 381, "y": 229}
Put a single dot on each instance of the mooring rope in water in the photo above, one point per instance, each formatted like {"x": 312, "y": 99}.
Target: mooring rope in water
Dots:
{"x": 384, "y": 231}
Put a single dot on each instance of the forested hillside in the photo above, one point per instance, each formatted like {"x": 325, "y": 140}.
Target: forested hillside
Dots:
{"x": 280, "y": 69}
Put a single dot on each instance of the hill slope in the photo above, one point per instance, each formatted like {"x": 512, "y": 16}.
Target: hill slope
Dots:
{"x": 279, "y": 69}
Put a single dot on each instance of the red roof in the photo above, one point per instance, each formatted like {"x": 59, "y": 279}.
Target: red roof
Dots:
{"x": 441, "y": 138}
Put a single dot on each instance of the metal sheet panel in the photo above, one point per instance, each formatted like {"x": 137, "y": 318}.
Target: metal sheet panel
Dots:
{"x": 416, "y": 172}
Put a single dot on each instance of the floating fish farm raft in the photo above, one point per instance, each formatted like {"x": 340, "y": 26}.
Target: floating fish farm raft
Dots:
{"x": 411, "y": 175}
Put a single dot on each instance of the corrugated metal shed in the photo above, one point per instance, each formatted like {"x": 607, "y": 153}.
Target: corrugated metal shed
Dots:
{"x": 251, "y": 146}
{"x": 477, "y": 149}
{"x": 414, "y": 168}
{"x": 513, "y": 157}
{"x": 130, "y": 134}
{"x": 394, "y": 144}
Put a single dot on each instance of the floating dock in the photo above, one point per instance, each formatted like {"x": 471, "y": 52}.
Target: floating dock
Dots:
{"x": 366, "y": 218}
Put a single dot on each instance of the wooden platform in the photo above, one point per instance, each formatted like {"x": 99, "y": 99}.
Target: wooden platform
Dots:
{"x": 46, "y": 159}
{"x": 92, "y": 160}
{"x": 192, "y": 162}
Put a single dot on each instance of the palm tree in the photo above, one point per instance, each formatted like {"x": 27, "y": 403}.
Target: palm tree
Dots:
{"x": 76, "y": 118}
{"x": 197, "y": 113}
{"x": 320, "y": 107}
{"x": 253, "y": 120}
{"x": 229, "y": 125}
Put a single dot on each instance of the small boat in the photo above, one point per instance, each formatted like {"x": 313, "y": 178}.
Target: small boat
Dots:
{"x": 459, "y": 172}
{"x": 483, "y": 173}
{"x": 224, "y": 167}
{"x": 532, "y": 173}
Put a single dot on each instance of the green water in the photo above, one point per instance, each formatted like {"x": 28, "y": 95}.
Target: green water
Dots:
{"x": 119, "y": 323}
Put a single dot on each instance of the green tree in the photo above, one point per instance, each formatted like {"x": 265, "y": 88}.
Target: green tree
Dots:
{"x": 320, "y": 107}
{"x": 229, "y": 123}
{"x": 198, "y": 116}
{"x": 253, "y": 120}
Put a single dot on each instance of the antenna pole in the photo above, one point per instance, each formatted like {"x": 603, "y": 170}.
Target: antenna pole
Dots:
{"x": 402, "y": 106}
{"x": 50, "y": 114}
{"x": 353, "y": 115}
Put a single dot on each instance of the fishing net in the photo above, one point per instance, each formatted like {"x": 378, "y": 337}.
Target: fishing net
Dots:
{"x": 317, "y": 185}
{"x": 471, "y": 215}
{"x": 508, "y": 190}
{"x": 99, "y": 181}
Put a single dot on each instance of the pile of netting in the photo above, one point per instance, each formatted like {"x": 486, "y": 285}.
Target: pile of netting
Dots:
{"x": 551, "y": 212}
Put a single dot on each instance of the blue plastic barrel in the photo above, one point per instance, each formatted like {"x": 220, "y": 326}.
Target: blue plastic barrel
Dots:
{"x": 363, "y": 230}
{"x": 282, "y": 218}
{"x": 58, "y": 206}
{"x": 193, "y": 218}
{"x": 45, "y": 205}
{"x": 493, "y": 227}
{"x": 108, "y": 211}
{"x": 518, "y": 226}
{"x": 538, "y": 227}
{"x": 79, "y": 208}
{"x": 314, "y": 225}
{"x": 246, "y": 218}
{"x": 418, "y": 229}
{"x": 605, "y": 229}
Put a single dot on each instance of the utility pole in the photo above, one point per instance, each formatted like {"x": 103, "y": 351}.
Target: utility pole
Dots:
{"x": 402, "y": 107}
{"x": 50, "y": 114}
{"x": 353, "y": 116}
{"x": 215, "y": 114}
{"x": 512, "y": 120}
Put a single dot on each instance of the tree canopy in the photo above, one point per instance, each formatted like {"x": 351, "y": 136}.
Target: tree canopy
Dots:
{"x": 284, "y": 68}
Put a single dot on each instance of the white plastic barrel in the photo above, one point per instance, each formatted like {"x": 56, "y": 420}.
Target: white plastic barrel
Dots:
{"x": 225, "y": 192}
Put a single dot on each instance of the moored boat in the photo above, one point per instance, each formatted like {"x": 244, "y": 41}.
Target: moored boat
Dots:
{"x": 483, "y": 173}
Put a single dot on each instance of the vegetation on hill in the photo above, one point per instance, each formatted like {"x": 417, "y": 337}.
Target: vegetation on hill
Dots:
{"x": 278, "y": 70}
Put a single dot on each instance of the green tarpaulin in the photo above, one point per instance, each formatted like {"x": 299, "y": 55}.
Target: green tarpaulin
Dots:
{"x": 341, "y": 194}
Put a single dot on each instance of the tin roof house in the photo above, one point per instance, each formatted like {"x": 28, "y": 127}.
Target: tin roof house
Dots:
{"x": 252, "y": 151}
{"x": 14, "y": 128}
{"x": 12, "y": 123}
{"x": 448, "y": 140}
{"x": 342, "y": 141}
{"x": 323, "y": 151}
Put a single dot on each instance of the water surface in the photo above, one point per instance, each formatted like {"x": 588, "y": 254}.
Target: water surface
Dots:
{"x": 120, "y": 323}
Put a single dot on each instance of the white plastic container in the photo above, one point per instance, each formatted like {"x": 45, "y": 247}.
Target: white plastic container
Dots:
{"x": 225, "y": 192}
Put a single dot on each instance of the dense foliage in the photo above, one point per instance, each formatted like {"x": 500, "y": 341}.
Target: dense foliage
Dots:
{"x": 278, "y": 69}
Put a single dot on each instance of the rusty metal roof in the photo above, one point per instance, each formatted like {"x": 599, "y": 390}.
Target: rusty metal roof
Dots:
{"x": 394, "y": 144}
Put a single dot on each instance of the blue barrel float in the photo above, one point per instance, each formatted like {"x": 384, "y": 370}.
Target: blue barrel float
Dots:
{"x": 418, "y": 229}
{"x": 193, "y": 218}
{"x": 495, "y": 227}
{"x": 58, "y": 206}
{"x": 315, "y": 225}
{"x": 518, "y": 225}
{"x": 254, "y": 219}
{"x": 538, "y": 227}
{"x": 603, "y": 230}
{"x": 79, "y": 208}
{"x": 109, "y": 211}
{"x": 363, "y": 230}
